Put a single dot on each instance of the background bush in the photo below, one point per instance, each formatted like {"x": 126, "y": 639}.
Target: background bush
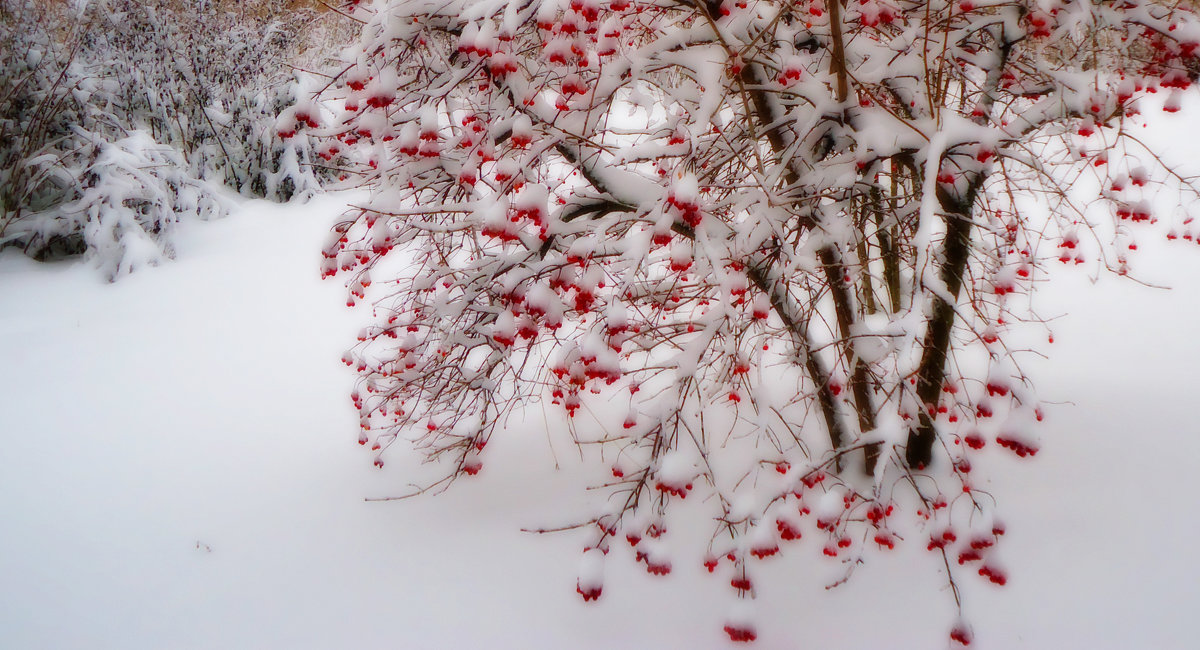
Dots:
{"x": 119, "y": 117}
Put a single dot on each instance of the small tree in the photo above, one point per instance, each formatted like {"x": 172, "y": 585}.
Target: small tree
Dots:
{"x": 791, "y": 240}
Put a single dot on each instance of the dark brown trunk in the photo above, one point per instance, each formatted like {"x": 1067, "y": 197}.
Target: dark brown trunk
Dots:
{"x": 957, "y": 210}
{"x": 932, "y": 371}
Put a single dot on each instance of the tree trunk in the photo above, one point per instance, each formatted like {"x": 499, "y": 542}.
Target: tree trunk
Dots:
{"x": 932, "y": 370}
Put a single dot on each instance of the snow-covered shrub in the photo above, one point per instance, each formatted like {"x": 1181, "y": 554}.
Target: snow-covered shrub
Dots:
{"x": 76, "y": 177}
{"x": 37, "y": 109}
{"x": 771, "y": 258}
{"x": 210, "y": 81}
{"x": 133, "y": 191}
{"x": 118, "y": 117}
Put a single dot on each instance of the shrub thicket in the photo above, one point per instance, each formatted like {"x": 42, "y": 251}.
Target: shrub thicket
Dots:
{"x": 119, "y": 117}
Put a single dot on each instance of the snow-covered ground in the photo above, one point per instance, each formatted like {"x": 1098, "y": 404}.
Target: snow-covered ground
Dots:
{"x": 178, "y": 469}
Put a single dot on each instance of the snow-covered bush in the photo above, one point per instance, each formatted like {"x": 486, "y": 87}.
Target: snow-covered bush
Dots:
{"x": 133, "y": 191}
{"x": 118, "y": 117}
{"x": 209, "y": 81}
{"x": 37, "y": 109}
{"x": 780, "y": 254}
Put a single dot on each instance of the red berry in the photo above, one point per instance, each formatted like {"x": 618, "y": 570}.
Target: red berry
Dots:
{"x": 591, "y": 593}
{"x": 740, "y": 633}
